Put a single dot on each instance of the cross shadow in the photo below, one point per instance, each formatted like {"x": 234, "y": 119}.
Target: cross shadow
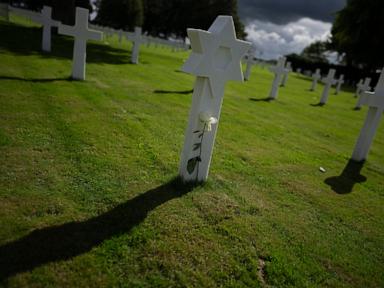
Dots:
{"x": 343, "y": 184}
{"x": 66, "y": 241}
{"x": 173, "y": 92}
{"x": 318, "y": 105}
{"x": 35, "y": 80}
{"x": 268, "y": 99}
{"x": 356, "y": 109}
{"x": 21, "y": 40}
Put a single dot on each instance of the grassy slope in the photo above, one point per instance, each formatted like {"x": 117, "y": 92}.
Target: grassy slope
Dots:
{"x": 87, "y": 196}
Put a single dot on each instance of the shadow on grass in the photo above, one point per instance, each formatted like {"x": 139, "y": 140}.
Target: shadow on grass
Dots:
{"x": 173, "y": 92}
{"x": 35, "y": 80}
{"x": 23, "y": 40}
{"x": 343, "y": 184}
{"x": 66, "y": 241}
{"x": 268, "y": 99}
{"x": 318, "y": 105}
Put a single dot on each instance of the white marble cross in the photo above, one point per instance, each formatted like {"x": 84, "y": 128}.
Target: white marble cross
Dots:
{"x": 364, "y": 87}
{"x": 45, "y": 18}
{"x": 4, "y": 11}
{"x": 375, "y": 101}
{"x": 81, "y": 33}
{"x": 215, "y": 59}
{"x": 316, "y": 77}
{"x": 120, "y": 35}
{"x": 137, "y": 40}
{"x": 358, "y": 85}
{"x": 328, "y": 81}
{"x": 279, "y": 71}
{"x": 250, "y": 61}
{"x": 339, "y": 82}
{"x": 288, "y": 68}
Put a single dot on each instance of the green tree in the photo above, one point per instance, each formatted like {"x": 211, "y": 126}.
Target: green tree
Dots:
{"x": 167, "y": 17}
{"x": 120, "y": 14}
{"x": 358, "y": 31}
{"x": 315, "y": 52}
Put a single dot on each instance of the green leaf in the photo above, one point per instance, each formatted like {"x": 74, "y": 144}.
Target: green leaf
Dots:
{"x": 196, "y": 146}
{"x": 191, "y": 165}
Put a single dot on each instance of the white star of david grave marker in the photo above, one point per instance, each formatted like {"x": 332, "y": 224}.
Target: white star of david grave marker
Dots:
{"x": 364, "y": 87}
{"x": 375, "y": 102}
{"x": 279, "y": 71}
{"x": 328, "y": 81}
{"x": 81, "y": 33}
{"x": 340, "y": 82}
{"x": 316, "y": 77}
{"x": 215, "y": 60}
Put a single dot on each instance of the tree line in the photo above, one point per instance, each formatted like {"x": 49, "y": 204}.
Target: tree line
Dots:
{"x": 357, "y": 33}
{"x": 166, "y": 17}
{"x": 162, "y": 18}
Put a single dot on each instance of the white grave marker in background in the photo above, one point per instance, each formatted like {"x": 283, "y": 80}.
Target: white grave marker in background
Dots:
{"x": 4, "y": 11}
{"x": 288, "y": 68}
{"x": 328, "y": 81}
{"x": 278, "y": 70}
{"x": 340, "y": 82}
{"x": 316, "y": 77}
{"x": 364, "y": 87}
{"x": 250, "y": 62}
{"x": 358, "y": 85}
{"x": 137, "y": 40}
{"x": 120, "y": 36}
{"x": 375, "y": 101}
{"x": 215, "y": 59}
{"x": 45, "y": 18}
{"x": 81, "y": 33}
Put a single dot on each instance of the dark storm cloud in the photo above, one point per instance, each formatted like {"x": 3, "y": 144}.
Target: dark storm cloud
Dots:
{"x": 285, "y": 11}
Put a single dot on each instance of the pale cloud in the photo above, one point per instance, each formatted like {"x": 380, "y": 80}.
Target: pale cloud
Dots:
{"x": 272, "y": 40}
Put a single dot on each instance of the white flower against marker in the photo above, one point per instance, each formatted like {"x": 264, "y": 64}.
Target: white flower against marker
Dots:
{"x": 207, "y": 120}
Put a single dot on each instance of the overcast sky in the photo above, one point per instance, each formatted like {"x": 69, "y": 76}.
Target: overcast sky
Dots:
{"x": 279, "y": 27}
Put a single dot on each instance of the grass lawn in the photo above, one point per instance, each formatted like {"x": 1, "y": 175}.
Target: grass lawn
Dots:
{"x": 88, "y": 188}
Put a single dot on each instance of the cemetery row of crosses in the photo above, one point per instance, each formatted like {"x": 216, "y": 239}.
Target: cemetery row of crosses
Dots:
{"x": 215, "y": 59}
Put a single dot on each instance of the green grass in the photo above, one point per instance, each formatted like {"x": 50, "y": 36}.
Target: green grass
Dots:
{"x": 88, "y": 196}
